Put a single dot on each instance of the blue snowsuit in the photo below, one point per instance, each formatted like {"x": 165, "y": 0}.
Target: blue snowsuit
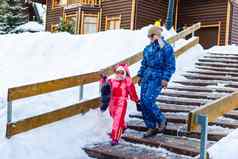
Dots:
{"x": 158, "y": 64}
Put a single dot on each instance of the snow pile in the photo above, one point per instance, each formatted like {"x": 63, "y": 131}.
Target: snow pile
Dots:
{"x": 29, "y": 27}
{"x": 45, "y": 56}
{"x": 228, "y": 49}
{"x": 226, "y": 147}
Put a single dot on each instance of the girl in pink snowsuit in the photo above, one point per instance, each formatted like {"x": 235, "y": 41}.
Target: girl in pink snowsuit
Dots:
{"x": 121, "y": 86}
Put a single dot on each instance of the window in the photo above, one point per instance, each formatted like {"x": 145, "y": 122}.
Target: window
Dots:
{"x": 54, "y": 28}
{"x": 72, "y": 20}
{"x": 57, "y": 3}
{"x": 90, "y": 24}
{"x": 113, "y": 23}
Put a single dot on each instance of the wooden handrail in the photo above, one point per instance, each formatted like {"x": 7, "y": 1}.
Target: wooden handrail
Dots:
{"x": 213, "y": 110}
{"x": 47, "y": 118}
{"x": 69, "y": 82}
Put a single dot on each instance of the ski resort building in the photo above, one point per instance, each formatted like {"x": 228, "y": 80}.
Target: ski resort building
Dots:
{"x": 219, "y": 23}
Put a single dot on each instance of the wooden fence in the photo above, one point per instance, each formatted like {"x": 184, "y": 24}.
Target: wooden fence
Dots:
{"x": 21, "y": 92}
{"x": 213, "y": 110}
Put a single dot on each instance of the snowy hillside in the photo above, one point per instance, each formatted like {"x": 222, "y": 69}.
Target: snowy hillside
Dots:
{"x": 29, "y": 58}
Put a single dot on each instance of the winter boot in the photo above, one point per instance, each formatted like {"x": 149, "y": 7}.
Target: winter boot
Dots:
{"x": 114, "y": 142}
{"x": 162, "y": 126}
{"x": 150, "y": 132}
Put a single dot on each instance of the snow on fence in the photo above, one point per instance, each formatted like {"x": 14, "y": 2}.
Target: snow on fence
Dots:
{"x": 21, "y": 92}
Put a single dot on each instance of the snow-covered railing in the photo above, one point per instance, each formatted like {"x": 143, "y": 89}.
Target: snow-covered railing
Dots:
{"x": 21, "y": 92}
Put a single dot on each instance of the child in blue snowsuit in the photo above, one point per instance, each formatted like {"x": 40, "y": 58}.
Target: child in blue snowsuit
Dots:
{"x": 157, "y": 67}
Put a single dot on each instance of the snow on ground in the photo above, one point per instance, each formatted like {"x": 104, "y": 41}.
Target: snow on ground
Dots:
{"x": 28, "y": 58}
{"x": 226, "y": 147}
{"x": 230, "y": 49}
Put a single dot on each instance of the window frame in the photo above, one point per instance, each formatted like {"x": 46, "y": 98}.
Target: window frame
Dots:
{"x": 112, "y": 18}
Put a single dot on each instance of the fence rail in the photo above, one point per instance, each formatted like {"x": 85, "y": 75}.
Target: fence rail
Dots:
{"x": 213, "y": 110}
{"x": 14, "y": 128}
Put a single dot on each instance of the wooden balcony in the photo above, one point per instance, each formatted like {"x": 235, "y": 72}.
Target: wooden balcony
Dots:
{"x": 84, "y": 2}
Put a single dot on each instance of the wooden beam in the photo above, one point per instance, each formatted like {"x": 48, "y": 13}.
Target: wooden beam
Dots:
{"x": 59, "y": 84}
{"x": 213, "y": 110}
{"x": 133, "y": 13}
{"x": 194, "y": 41}
{"x": 176, "y": 14}
{"x": 228, "y": 18}
{"x": 47, "y": 118}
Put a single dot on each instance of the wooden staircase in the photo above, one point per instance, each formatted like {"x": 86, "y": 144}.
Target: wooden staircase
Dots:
{"x": 215, "y": 76}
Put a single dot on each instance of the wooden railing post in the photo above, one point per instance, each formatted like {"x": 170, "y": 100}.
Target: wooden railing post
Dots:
{"x": 9, "y": 111}
{"x": 80, "y": 92}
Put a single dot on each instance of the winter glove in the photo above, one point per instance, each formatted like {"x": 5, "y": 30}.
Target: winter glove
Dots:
{"x": 164, "y": 84}
{"x": 138, "y": 106}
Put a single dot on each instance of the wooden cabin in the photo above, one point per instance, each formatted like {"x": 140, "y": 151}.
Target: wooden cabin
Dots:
{"x": 218, "y": 17}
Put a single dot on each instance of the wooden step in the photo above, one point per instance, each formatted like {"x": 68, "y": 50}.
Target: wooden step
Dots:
{"x": 199, "y": 82}
{"x": 210, "y": 77}
{"x": 232, "y": 115}
{"x": 223, "y": 69}
{"x": 182, "y": 118}
{"x": 201, "y": 89}
{"x": 223, "y": 54}
{"x": 179, "y": 145}
{"x": 208, "y": 72}
{"x": 196, "y": 82}
{"x": 227, "y": 61}
{"x": 171, "y": 117}
{"x": 226, "y": 123}
{"x": 175, "y": 108}
{"x": 178, "y": 129}
{"x": 216, "y": 64}
{"x": 195, "y": 95}
{"x": 221, "y": 57}
{"x": 127, "y": 150}
{"x": 182, "y": 101}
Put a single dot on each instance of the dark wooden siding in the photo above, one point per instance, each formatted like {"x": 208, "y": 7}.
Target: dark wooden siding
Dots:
{"x": 234, "y": 28}
{"x": 53, "y": 15}
{"x": 117, "y": 8}
{"x": 206, "y": 11}
{"x": 147, "y": 11}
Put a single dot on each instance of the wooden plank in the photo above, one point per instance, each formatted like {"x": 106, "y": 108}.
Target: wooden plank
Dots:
{"x": 232, "y": 114}
{"x": 216, "y": 64}
{"x": 218, "y": 60}
{"x": 175, "y": 108}
{"x": 211, "y": 72}
{"x": 171, "y": 117}
{"x": 201, "y": 89}
{"x": 182, "y": 101}
{"x": 194, "y": 41}
{"x": 224, "y": 69}
{"x": 68, "y": 82}
{"x": 210, "y": 77}
{"x": 184, "y": 33}
{"x": 47, "y": 118}
{"x": 226, "y": 57}
{"x": 182, "y": 118}
{"x": 178, "y": 129}
{"x": 127, "y": 150}
{"x": 196, "y": 95}
{"x": 213, "y": 109}
{"x": 222, "y": 54}
{"x": 179, "y": 145}
{"x": 196, "y": 82}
